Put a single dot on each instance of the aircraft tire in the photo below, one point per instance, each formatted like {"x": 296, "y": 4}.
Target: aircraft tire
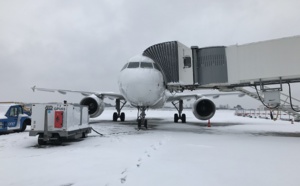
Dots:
{"x": 175, "y": 118}
{"x": 139, "y": 123}
{"x": 183, "y": 118}
{"x": 115, "y": 116}
{"x": 122, "y": 117}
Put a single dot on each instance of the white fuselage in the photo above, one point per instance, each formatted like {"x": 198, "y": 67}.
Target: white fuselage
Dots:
{"x": 142, "y": 84}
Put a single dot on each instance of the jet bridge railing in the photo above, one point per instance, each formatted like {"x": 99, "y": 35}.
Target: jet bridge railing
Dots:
{"x": 285, "y": 105}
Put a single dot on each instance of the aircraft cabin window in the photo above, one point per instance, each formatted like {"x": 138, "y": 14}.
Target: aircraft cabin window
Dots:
{"x": 124, "y": 66}
{"x": 133, "y": 65}
{"x": 146, "y": 65}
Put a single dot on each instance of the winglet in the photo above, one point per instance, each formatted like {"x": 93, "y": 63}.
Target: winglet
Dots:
{"x": 33, "y": 88}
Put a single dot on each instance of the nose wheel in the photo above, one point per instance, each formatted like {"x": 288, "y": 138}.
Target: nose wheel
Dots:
{"x": 119, "y": 114}
{"x": 142, "y": 122}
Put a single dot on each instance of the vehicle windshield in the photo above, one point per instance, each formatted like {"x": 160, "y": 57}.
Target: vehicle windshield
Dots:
{"x": 133, "y": 65}
{"x": 146, "y": 65}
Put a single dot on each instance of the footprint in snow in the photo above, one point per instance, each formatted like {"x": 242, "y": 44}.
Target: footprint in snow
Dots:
{"x": 153, "y": 147}
{"x": 123, "y": 180}
{"x": 68, "y": 184}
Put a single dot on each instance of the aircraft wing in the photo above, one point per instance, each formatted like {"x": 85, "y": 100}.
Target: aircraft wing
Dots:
{"x": 102, "y": 95}
{"x": 177, "y": 97}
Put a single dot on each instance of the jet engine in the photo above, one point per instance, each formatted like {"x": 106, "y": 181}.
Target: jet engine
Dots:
{"x": 95, "y": 104}
{"x": 204, "y": 109}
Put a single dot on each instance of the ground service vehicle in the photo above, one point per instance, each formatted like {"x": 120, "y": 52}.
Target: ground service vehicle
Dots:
{"x": 57, "y": 122}
{"x": 12, "y": 118}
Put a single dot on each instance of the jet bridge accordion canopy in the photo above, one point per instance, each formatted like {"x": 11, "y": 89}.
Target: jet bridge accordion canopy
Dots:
{"x": 268, "y": 62}
{"x": 166, "y": 55}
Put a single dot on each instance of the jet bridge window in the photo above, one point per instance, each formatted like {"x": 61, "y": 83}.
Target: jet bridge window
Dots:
{"x": 187, "y": 62}
{"x": 146, "y": 65}
{"x": 133, "y": 65}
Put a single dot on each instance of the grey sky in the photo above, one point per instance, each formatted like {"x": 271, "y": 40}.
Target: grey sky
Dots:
{"x": 82, "y": 45}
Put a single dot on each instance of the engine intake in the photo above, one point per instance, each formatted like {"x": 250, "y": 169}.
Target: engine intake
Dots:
{"x": 95, "y": 105}
{"x": 204, "y": 109}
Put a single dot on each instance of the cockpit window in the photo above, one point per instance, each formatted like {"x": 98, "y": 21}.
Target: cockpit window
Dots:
{"x": 124, "y": 66}
{"x": 146, "y": 65}
{"x": 156, "y": 66}
{"x": 133, "y": 65}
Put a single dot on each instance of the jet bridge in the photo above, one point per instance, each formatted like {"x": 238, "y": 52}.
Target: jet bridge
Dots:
{"x": 228, "y": 68}
{"x": 224, "y": 67}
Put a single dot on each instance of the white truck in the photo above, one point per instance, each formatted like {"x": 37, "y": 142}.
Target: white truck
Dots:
{"x": 56, "y": 122}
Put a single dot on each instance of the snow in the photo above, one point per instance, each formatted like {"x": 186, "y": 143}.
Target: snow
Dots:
{"x": 233, "y": 151}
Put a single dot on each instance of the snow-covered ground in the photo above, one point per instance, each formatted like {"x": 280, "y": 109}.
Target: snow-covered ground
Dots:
{"x": 234, "y": 151}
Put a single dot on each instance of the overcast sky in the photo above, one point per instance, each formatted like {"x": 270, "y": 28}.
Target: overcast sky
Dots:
{"x": 82, "y": 45}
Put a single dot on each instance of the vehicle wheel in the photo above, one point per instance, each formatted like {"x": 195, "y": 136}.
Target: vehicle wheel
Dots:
{"x": 115, "y": 116}
{"x": 175, "y": 118}
{"x": 58, "y": 140}
{"x": 41, "y": 140}
{"x": 122, "y": 116}
{"x": 24, "y": 125}
{"x": 183, "y": 118}
{"x": 83, "y": 135}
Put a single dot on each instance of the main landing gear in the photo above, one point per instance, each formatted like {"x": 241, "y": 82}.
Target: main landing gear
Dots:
{"x": 179, "y": 109}
{"x": 141, "y": 118}
{"x": 119, "y": 114}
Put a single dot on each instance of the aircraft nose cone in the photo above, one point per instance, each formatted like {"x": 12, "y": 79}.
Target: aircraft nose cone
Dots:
{"x": 141, "y": 89}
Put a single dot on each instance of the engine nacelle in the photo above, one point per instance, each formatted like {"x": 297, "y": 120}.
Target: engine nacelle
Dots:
{"x": 204, "y": 109}
{"x": 95, "y": 104}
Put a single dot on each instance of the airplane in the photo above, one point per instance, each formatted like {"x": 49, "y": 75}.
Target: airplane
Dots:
{"x": 141, "y": 83}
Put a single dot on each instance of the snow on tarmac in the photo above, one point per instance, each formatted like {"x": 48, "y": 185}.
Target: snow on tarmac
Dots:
{"x": 234, "y": 151}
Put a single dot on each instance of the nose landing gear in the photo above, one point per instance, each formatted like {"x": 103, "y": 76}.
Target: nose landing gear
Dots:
{"x": 141, "y": 119}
